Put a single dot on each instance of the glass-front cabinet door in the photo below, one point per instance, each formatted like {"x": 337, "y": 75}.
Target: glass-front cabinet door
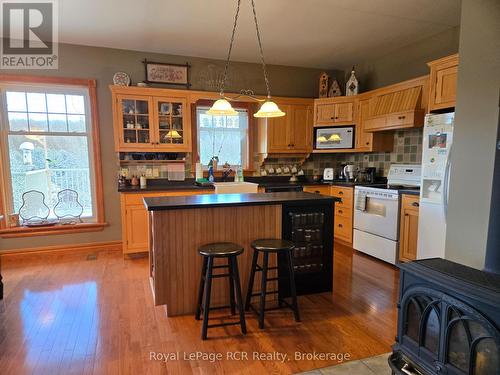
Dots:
{"x": 172, "y": 124}
{"x": 135, "y": 125}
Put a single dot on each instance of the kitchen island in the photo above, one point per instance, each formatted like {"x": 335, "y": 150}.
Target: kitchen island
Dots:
{"x": 178, "y": 226}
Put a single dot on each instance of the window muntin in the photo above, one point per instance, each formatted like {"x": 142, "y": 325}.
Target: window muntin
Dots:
{"x": 46, "y": 131}
{"x": 223, "y": 136}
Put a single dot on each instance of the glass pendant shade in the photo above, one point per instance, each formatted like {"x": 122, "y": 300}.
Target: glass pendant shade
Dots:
{"x": 222, "y": 107}
{"x": 173, "y": 134}
{"x": 269, "y": 109}
{"x": 335, "y": 138}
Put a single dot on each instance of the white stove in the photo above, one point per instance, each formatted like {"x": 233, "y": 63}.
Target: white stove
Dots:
{"x": 376, "y": 212}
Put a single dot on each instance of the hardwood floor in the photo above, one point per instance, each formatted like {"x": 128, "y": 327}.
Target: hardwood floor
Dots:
{"x": 65, "y": 314}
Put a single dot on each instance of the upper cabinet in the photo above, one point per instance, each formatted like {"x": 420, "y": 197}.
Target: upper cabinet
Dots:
{"x": 443, "y": 83}
{"x": 397, "y": 106}
{"x": 150, "y": 123}
{"x": 291, "y": 133}
{"x": 334, "y": 111}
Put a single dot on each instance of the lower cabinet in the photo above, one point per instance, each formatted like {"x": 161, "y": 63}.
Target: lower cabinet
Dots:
{"x": 135, "y": 221}
{"x": 408, "y": 233}
{"x": 343, "y": 219}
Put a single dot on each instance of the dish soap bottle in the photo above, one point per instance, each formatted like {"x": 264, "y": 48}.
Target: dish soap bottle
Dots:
{"x": 240, "y": 174}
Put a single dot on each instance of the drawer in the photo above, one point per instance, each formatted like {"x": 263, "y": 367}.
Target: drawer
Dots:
{"x": 400, "y": 119}
{"x": 318, "y": 189}
{"x": 343, "y": 211}
{"x": 345, "y": 194}
{"x": 410, "y": 202}
{"x": 343, "y": 228}
{"x": 136, "y": 198}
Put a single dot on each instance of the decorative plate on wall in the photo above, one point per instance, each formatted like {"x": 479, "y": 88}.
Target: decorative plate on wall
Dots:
{"x": 121, "y": 79}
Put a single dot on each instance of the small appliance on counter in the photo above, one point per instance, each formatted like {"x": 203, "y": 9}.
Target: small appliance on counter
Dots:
{"x": 328, "y": 174}
{"x": 349, "y": 172}
{"x": 331, "y": 138}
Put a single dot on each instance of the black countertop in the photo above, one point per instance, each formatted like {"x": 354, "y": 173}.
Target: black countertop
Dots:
{"x": 231, "y": 200}
{"x": 165, "y": 185}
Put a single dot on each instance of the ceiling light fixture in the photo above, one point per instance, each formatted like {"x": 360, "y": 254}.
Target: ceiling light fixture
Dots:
{"x": 222, "y": 106}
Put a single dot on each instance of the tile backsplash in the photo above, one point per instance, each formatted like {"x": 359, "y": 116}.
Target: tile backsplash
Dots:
{"x": 407, "y": 149}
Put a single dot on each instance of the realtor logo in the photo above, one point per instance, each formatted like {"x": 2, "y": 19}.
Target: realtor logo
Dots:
{"x": 29, "y": 34}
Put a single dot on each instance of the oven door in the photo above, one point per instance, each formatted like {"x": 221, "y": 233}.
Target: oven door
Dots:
{"x": 376, "y": 212}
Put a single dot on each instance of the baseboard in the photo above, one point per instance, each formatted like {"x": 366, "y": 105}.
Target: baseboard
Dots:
{"x": 64, "y": 249}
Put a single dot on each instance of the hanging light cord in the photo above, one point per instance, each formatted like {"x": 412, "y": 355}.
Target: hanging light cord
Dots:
{"x": 224, "y": 78}
{"x": 230, "y": 49}
{"x": 261, "y": 51}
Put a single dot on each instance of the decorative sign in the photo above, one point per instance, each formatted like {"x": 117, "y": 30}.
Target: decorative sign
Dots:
{"x": 172, "y": 74}
{"x": 323, "y": 85}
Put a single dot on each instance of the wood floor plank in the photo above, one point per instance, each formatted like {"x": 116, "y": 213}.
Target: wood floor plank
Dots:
{"x": 63, "y": 314}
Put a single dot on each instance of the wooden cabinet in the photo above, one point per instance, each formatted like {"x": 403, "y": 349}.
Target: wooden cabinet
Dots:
{"x": 408, "y": 233}
{"x": 135, "y": 221}
{"x": 151, "y": 123}
{"x": 443, "y": 83}
{"x": 334, "y": 111}
{"x": 317, "y": 189}
{"x": 369, "y": 141}
{"x": 398, "y": 106}
{"x": 291, "y": 133}
{"x": 343, "y": 219}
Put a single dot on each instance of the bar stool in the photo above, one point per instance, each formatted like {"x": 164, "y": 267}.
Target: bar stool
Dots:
{"x": 210, "y": 252}
{"x": 280, "y": 247}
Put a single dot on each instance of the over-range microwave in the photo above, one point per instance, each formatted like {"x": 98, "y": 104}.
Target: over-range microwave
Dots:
{"x": 334, "y": 137}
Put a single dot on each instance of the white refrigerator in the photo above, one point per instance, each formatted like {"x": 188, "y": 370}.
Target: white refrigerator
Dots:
{"x": 436, "y": 162}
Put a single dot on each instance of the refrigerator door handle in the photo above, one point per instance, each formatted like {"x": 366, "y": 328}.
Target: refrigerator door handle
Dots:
{"x": 446, "y": 184}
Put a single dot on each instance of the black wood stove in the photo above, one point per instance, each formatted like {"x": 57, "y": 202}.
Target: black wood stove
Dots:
{"x": 448, "y": 321}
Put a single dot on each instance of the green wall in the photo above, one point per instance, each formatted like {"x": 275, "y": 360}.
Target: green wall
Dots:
{"x": 406, "y": 62}
{"x": 102, "y": 63}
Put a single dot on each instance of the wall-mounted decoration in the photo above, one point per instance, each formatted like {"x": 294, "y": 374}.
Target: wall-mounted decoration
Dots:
{"x": 323, "y": 85}
{"x": 68, "y": 208}
{"x": 171, "y": 74}
{"x": 334, "y": 89}
{"x": 352, "y": 86}
{"x": 121, "y": 79}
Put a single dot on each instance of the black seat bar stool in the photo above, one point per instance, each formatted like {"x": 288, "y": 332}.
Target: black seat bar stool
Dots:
{"x": 280, "y": 247}
{"x": 210, "y": 252}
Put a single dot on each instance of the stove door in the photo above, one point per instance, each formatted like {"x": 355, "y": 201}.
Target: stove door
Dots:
{"x": 376, "y": 212}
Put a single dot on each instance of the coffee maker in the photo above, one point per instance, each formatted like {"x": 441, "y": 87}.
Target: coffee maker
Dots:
{"x": 349, "y": 171}
{"x": 371, "y": 174}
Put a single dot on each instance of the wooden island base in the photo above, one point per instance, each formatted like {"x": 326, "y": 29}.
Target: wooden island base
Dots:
{"x": 177, "y": 234}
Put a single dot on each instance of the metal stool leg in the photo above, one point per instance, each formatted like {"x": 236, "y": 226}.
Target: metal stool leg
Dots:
{"x": 206, "y": 304}
{"x": 239, "y": 299}
{"x": 231, "y": 285}
{"x": 263, "y": 284}
{"x": 201, "y": 287}
{"x": 251, "y": 279}
{"x": 293, "y": 292}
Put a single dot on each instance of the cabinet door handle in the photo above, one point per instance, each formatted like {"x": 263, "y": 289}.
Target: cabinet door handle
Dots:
{"x": 367, "y": 143}
{"x": 401, "y": 117}
{"x": 415, "y": 204}
{"x": 340, "y": 225}
{"x": 341, "y": 212}
{"x": 316, "y": 191}
{"x": 332, "y": 118}
{"x": 341, "y": 193}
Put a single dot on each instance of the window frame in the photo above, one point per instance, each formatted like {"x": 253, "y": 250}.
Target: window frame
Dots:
{"x": 250, "y": 108}
{"x": 98, "y": 223}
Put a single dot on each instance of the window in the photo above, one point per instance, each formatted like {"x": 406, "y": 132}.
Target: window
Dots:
{"x": 223, "y": 136}
{"x": 48, "y": 145}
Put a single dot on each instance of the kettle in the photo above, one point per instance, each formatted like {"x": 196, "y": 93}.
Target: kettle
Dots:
{"x": 349, "y": 170}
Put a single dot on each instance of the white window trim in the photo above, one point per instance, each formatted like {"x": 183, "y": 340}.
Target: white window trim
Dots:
{"x": 5, "y": 132}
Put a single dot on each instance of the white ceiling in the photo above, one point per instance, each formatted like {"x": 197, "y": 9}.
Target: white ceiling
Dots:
{"x": 308, "y": 33}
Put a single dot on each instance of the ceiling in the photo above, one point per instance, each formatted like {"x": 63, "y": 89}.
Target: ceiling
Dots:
{"x": 307, "y": 33}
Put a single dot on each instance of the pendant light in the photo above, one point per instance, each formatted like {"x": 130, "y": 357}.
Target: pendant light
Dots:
{"x": 222, "y": 106}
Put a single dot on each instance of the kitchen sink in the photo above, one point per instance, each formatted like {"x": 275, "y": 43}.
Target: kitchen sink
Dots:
{"x": 235, "y": 187}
